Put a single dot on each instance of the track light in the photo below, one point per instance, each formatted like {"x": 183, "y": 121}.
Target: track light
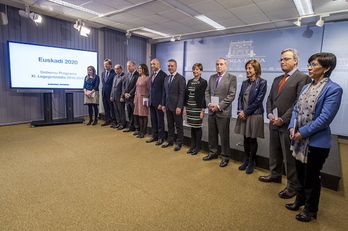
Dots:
{"x": 80, "y": 26}
{"x": 298, "y": 22}
{"x": 128, "y": 34}
{"x": 320, "y": 22}
{"x": 33, "y": 16}
{"x": 172, "y": 39}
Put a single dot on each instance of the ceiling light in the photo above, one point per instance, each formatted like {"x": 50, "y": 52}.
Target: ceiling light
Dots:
{"x": 172, "y": 39}
{"x": 304, "y": 7}
{"x": 3, "y": 19}
{"x": 155, "y": 32}
{"x": 212, "y": 23}
{"x": 75, "y": 7}
{"x": 320, "y": 22}
{"x": 128, "y": 34}
{"x": 298, "y": 22}
{"x": 85, "y": 31}
{"x": 33, "y": 16}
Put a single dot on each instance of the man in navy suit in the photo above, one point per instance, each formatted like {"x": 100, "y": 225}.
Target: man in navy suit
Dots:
{"x": 172, "y": 104}
{"x": 128, "y": 96}
{"x": 155, "y": 102}
{"x": 116, "y": 98}
{"x": 107, "y": 80}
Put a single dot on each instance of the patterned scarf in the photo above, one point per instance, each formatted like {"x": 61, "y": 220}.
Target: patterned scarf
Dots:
{"x": 304, "y": 115}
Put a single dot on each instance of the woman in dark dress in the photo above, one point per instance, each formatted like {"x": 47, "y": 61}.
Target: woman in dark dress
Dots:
{"x": 250, "y": 111}
{"x": 195, "y": 106}
{"x": 91, "y": 90}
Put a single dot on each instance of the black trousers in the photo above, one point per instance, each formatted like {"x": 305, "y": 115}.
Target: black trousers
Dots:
{"x": 133, "y": 119}
{"x": 109, "y": 110}
{"x": 157, "y": 122}
{"x": 308, "y": 175}
{"x": 175, "y": 121}
{"x": 120, "y": 112}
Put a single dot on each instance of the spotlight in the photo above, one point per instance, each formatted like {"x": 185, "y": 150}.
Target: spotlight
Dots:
{"x": 128, "y": 34}
{"x": 298, "y": 22}
{"x": 3, "y": 19}
{"x": 320, "y": 22}
{"x": 33, "y": 16}
{"x": 172, "y": 39}
{"x": 80, "y": 26}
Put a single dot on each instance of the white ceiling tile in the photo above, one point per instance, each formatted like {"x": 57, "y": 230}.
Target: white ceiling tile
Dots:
{"x": 268, "y": 26}
{"x": 228, "y": 4}
{"x": 158, "y": 7}
{"x": 139, "y": 22}
{"x": 255, "y": 19}
{"x": 157, "y": 18}
{"x": 174, "y": 14}
{"x": 190, "y": 2}
{"x": 245, "y": 11}
{"x": 115, "y": 4}
{"x": 207, "y": 7}
{"x": 231, "y": 23}
{"x": 221, "y": 15}
{"x": 282, "y": 14}
{"x": 275, "y": 5}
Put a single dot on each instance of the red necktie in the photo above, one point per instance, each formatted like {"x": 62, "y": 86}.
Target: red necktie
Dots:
{"x": 282, "y": 82}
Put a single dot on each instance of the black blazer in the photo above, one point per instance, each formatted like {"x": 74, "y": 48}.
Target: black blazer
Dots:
{"x": 174, "y": 93}
{"x": 107, "y": 85}
{"x": 156, "y": 89}
{"x": 129, "y": 86}
{"x": 199, "y": 92}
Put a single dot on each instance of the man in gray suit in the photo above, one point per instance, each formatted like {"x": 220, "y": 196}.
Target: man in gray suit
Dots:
{"x": 282, "y": 97}
{"x": 173, "y": 103}
{"x": 219, "y": 95}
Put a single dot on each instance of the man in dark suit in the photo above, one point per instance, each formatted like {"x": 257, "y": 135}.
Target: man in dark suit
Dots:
{"x": 173, "y": 103}
{"x": 155, "y": 102}
{"x": 107, "y": 80}
{"x": 219, "y": 95}
{"x": 116, "y": 98}
{"x": 281, "y": 100}
{"x": 128, "y": 96}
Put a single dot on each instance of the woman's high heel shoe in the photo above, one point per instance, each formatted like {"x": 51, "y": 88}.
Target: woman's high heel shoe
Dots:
{"x": 306, "y": 216}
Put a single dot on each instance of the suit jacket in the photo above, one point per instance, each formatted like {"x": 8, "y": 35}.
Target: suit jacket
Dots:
{"x": 226, "y": 91}
{"x": 286, "y": 98}
{"x": 199, "y": 92}
{"x": 129, "y": 86}
{"x": 156, "y": 89}
{"x": 326, "y": 108}
{"x": 256, "y": 96}
{"x": 174, "y": 93}
{"x": 116, "y": 91}
{"x": 107, "y": 85}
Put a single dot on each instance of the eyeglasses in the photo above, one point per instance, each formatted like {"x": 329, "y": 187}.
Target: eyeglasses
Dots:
{"x": 284, "y": 59}
{"x": 313, "y": 64}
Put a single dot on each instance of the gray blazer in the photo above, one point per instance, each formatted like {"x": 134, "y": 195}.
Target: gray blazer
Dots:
{"x": 286, "y": 98}
{"x": 226, "y": 91}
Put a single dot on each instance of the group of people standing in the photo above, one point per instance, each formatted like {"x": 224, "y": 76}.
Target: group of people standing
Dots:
{"x": 299, "y": 107}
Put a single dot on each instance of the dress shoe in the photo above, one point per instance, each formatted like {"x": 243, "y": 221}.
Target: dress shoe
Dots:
{"x": 194, "y": 152}
{"x": 129, "y": 130}
{"x": 159, "y": 142}
{"x": 189, "y": 151}
{"x": 136, "y": 133}
{"x": 166, "y": 145}
{"x": 224, "y": 163}
{"x": 90, "y": 122}
{"x": 95, "y": 122}
{"x": 113, "y": 125}
{"x": 210, "y": 157}
{"x": 105, "y": 124}
{"x": 152, "y": 139}
{"x": 177, "y": 148}
{"x": 306, "y": 216}
{"x": 120, "y": 127}
{"x": 294, "y": 206}
{"x": 140, "y": 136}
{"x": 269, "y": 178}
{"x": 287, "y": 193}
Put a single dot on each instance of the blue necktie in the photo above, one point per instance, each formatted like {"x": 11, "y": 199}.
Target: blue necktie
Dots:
{"x": 218, "y": 80}
{"x": 170, "y": 80}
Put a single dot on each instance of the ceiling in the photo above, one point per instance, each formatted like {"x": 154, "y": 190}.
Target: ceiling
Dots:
{"x": 237, "y": 16}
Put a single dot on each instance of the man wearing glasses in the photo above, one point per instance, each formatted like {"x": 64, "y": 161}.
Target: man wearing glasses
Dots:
{"x": 282, "y": 97}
